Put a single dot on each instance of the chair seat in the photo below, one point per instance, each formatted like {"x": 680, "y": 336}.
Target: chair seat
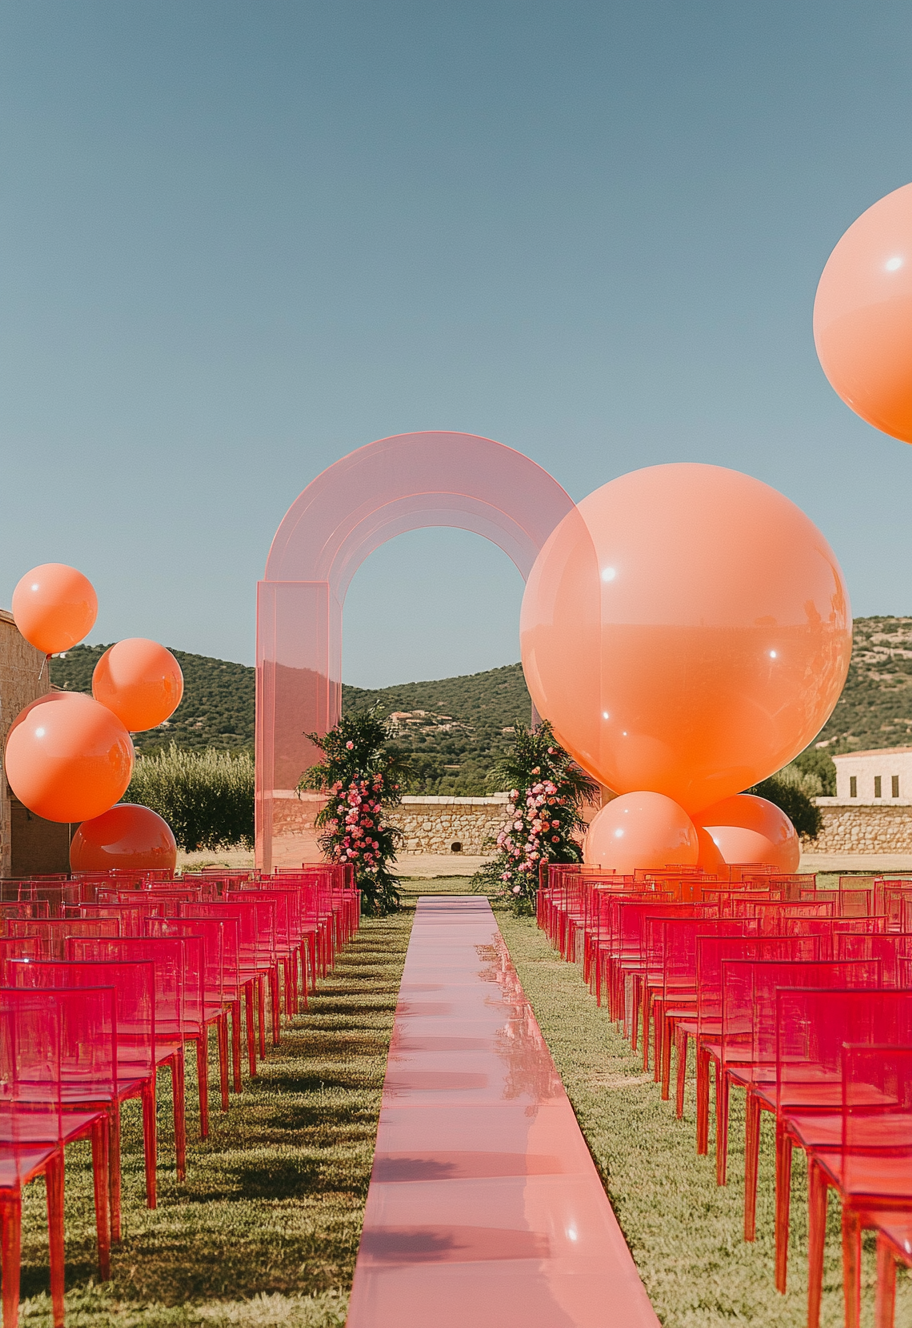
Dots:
{"x": 31, "y": 1162}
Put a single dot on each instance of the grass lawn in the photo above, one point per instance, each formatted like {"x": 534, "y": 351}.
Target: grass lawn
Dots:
{"x": 265, "y": 1230}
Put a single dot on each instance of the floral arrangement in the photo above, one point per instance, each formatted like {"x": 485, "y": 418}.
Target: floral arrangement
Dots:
{"x": 547, "y": 791}
{"x": 362, "y": 779}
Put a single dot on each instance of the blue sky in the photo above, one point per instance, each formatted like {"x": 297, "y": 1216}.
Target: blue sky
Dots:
{"x": 239, "y": 240}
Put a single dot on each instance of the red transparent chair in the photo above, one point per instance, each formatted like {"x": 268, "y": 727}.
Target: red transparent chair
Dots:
{"x": 134, "y": 988}
{"x": 712, "y": 952}
{"x": 894, "y": 1246}
{"x": 823, "y": 1095}
{"x": 178, "y": 1010}
{"x": 226, "y": 949}
{"x": 749, "y": 1048}
{"x": 56, "y": 1087}
{"x": 208, "y": 937}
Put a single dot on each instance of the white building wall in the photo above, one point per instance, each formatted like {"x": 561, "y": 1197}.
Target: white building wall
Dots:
{"x": 874, "y": 778}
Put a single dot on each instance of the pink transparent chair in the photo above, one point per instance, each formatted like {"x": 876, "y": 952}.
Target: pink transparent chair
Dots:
{"x": 53, "y": 932}
{"x": 56, "y": 1086}
{"x": 749, "y": 1046}
{"x": 894, "y": 1246}
{"x": 207, "y": 936}
{"x": 178, "y": 1009}
{"x": 134, "y": 988}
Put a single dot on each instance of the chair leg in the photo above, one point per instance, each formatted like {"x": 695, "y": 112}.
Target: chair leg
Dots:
{"x": 681, "y": 1040}
{"x": 11, "y": 1217}
{"x": 751, "y": 1163}
{"x": 817, "y": 1211}
{"x": 251, "y": 1029}
{"x": 114, "y": 1174}
{"x": 178, "y": 1095}
{"x": 202, "y": 1079}
{"x": 702, "y": 1101}
{"x": 721, "y": 1124}
{"x": 236, "y": 1043}
{"x": 150, "y": 1142}
{"x": 666, "y": 1056}
{"x": 276, "y": 1009}
{"x": 53, "y": 1177}
{"x": 783, "y": 1203}
{"x": 100, "y": 1179}
{"x": 851, "y": 1266}
{"x": 222, "y": 1031}
{"x": 261, "y": 1014}
{"x": 885, "y": 1301}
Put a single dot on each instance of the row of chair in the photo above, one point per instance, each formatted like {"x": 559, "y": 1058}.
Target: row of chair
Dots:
{"x": 800, "y": 997}
{"x": 104, "y": 981}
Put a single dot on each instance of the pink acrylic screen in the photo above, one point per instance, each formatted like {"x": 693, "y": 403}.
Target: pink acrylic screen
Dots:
{"x": 397, "y": 484}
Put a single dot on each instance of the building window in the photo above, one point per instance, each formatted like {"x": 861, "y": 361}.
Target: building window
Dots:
{"x": 853, "y": 787}
{"x": 877, "y": 786}
{"x": 895, "y": 781}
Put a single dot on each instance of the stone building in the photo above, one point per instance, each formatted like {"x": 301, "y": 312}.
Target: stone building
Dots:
{"x": 28, "y": 844}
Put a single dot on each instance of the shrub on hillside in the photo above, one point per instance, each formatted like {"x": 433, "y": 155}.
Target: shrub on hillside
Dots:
{"x": 206, "y": 797}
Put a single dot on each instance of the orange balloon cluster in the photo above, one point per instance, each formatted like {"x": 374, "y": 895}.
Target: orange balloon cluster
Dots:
{"x": 863, "y": 315}
{"x": 687, "y": 631}
{"x": 128, "y": 836}
{"x": 69, "y": 757}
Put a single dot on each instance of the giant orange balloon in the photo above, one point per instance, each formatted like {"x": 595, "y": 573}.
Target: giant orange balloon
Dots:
{"x": 863, "y": 315}
{"x": 128, "y": 836}
{"x": 751, "y": 829}
{"x": 687, "y": 630}
{"x": 54, "y": 607}
{"x": 140, "y": 681}
{"x": 70, "y": 760}
{"x": 641, "y": 830}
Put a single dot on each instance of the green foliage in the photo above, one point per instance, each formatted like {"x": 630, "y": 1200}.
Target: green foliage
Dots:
{"x": 547, "y": 791}
{"x": 816, "y": 766}
{"x": 875, "y": 708}
{"x": 363, "y": 779}
{"x": 207, "y": 798}
{"x": 217, "y": 709}
{"x": 803, "y": 813}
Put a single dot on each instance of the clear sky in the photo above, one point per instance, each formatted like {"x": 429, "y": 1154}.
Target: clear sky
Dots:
{"x": 238, "y": 240}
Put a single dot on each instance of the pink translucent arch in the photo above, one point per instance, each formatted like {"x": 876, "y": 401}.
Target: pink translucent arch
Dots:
{"x": 382, "y": 490}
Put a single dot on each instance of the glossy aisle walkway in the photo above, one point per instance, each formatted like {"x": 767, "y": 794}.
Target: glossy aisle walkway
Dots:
{"x": 485, "y": 1209}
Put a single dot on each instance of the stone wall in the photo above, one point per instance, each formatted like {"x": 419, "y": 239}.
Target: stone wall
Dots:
{"x": 429, "y": 825}
{"x": 860, "y": 829}
{"x": 434, "y": 825}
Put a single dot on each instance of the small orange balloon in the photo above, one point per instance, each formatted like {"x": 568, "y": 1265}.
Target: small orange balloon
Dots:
{"x": 140, "y": 681}
{"x": 686, "y": 629}
{"x": 641, "y": 830}
{"x": 751, "y": 829}
{"x": 69, "y": 760}
{"x": 128, "y": 836}
{"x": 863, "y": 315}
{"x": 54, "y": 607}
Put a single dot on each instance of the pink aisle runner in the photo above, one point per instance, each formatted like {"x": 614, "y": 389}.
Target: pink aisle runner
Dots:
{"x": 484, "y": 1209}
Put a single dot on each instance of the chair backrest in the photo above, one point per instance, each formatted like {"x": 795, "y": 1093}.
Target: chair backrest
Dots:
{"x": 712, "y": 951}
{"x": 219, "y": 962}
{"x": 749, "y": 990}
{"x": 57, "y": 1048}
{"x": 877, "y": 1123}
{"x": 134, "y": 1004}
{"x": 53, "y": 932}
{"x": 174, "y": 995}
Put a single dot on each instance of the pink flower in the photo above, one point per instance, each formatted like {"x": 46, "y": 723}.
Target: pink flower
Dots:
{"x": 555, "y": 839}
{"x": 350, "y": 745}
{"x": 516, "y": 889}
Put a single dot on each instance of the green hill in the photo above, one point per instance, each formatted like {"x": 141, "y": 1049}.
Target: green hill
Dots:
{"x": 455, "y": 728}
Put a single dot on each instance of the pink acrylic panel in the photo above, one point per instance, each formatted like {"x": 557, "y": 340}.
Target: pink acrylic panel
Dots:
{"x": 382, "y": 490}
{"x": 484, "y": 1207}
